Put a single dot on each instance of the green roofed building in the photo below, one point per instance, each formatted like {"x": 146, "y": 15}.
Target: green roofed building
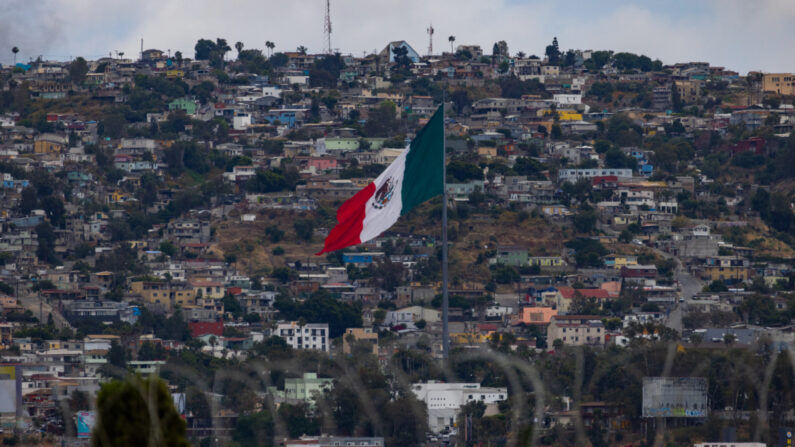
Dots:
{"x": 186, "y": 104}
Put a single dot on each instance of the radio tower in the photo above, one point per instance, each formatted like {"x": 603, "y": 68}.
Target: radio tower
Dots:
{"x": 327, "y": 27}
{"x": 430, "y": 39}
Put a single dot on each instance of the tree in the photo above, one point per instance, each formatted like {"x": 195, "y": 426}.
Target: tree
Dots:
{"x": 254, "y": 430}
{"x": 553, "y": 52}
{"x": 556, "y": 133}
{"x": 239, "y": 48}
{"x": 137, "y": 411}
{"x": 79, "y": 400}
{"x": 304, "y": 229}
{"x": 46, "y": 238}
{"x": 29, "y": 200}
{"x": 15, "y": 50}
{"x": 676, "y": 100}
{"x": 270, "y": 46}
{"x": 77, "y": 70}
{"x": 585, "y": 221}
{"x": 325, "y": 71}
{"x": 117, "y": 355}
{"x": 500, "y": 50}
{"x": 301, "y": 50}
{"x": 451, "y": 39}
{"x": 178, "y": 58}
{"x": 716, "y": 286}
{"x": 54, "y": 208}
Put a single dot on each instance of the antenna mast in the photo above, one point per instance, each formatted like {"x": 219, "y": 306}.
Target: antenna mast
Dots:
{"x": 430, "y": 39}
{"x": 327, "y": 27}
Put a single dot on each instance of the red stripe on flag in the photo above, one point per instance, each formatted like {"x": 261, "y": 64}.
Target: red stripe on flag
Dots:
{"x": 350, "y": 218}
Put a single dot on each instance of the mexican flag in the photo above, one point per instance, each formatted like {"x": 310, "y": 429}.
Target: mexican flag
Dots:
{"x": 414, "y": 177}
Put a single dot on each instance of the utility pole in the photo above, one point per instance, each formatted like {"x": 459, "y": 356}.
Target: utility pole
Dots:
{"x": 445, "y": 297}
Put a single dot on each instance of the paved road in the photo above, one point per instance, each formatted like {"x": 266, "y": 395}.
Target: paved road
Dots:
{"x": 41, "y": 309}
{"x": 689, "y": 285}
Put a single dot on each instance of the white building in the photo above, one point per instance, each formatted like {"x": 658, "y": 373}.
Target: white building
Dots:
{"x": 573, "y": 175}
{"x": 567, "y": 99}
{"x": 444, "y": 400}
{"x": 309, "y": 336}
{"x": 497, "y": 311}
{"x": 241, "y": 121}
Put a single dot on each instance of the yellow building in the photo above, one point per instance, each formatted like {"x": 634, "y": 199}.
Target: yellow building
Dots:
{"x": 547, "y": 261}
{"x": 779, "y": 83}
{"x": 469, "y": 338}
{"x": 153, "y": 292}
{"x": 49, "y": 144}
{"x": 726, "y": 268}
{"x": 118, "y": 197}
{"x": 208, "y": 289}
{"x": 183, "y": 297}
{"x": 689, "y": 91}
{"x": 618, "y": 261}
{"x": 569, "y": 115}
{"x": 163, "y": 294}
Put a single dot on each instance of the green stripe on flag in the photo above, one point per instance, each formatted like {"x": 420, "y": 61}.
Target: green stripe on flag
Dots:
{"x": 422, "y": 178}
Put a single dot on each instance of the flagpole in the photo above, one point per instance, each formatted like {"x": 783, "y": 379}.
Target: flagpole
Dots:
{"x": 445, "y": 298}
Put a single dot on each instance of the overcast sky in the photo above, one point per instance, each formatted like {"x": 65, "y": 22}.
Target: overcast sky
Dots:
{"x": 741, "y": 35}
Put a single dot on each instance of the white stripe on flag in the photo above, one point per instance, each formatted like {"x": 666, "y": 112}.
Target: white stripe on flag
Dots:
{"x": 379, "y": 217}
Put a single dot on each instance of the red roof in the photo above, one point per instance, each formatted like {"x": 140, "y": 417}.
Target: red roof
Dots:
{"x": 569, "y": 293}
{"x": 203, "y": 328}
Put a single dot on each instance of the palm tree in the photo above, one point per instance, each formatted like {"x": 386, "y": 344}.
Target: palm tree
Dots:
{"x": 451, "y": 39}
{"x": 270, "y": 45}
{"x": 178, "y": 57}
{"x": 239, "y": 48}
{"x": 520, "y": 55}
{"x": 15, "y": 50}
{"x": 301, "y": 49}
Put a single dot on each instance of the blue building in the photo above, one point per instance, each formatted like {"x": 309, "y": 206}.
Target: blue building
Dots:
{"x": 361, "y": 259}
{"x": 411, "y": 54}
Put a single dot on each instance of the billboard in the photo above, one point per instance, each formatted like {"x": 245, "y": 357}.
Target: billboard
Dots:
{"x": 85, "y": 423}
{"x": 675, "y": 397}
{"x": 10, "y": 389}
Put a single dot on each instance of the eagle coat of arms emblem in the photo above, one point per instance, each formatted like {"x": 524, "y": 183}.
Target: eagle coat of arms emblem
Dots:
{"x": 384, "y": 194}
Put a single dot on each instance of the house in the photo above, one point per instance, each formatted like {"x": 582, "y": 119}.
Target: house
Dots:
{"x": 779, "y": 83}
{"x": 185, "y": 231}
{"x": 388, "y": 54}
{"x": 359, "y": 335}
{"x": 189, "y": 106}
{"x": 534, "y": 316}
{"x": 567, "y": 295}
{"x": 312, "y": 336}
{"x": 547, "y": 262}
{"x": 729, "y": 269}
{"x": 573, "y": 175}
{"x": 49, "y": 144}
{"x": 576, "y": 330}
{"x": 361, "y": 259}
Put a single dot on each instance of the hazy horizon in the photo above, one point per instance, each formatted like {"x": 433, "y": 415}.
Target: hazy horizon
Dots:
{"x": 730, "y": 33}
